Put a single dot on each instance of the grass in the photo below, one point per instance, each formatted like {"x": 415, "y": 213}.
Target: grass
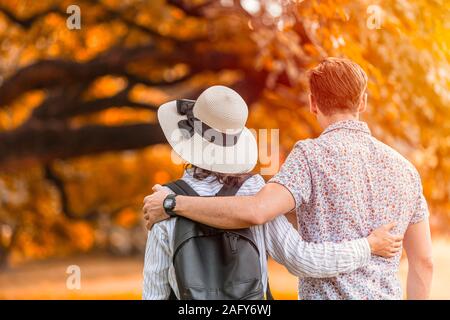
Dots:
{"x": 104, "y": 277}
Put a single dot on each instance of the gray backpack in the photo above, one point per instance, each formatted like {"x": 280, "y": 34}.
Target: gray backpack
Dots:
{"x": 215, "y": 264}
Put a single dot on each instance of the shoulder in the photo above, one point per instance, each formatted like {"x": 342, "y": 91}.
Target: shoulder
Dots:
{"x": 303, "y": 148}
{"x": 163, "y": 229}
{"x": 303, "y": 145}
{"x": 398, "y": 159}
{"x": 298, "y": 157}
{"x": 252, "y": 185}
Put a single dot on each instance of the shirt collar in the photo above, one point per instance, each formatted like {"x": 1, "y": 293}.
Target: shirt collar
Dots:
{"x": 189, "y": 175}
{"x": 348, "y": 124}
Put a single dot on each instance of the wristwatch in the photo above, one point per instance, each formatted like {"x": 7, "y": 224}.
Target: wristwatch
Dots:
{"x": 169, "y": 204}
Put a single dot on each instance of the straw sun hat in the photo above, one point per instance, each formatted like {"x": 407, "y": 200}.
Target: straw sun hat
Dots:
{"x": 210, "y": 132}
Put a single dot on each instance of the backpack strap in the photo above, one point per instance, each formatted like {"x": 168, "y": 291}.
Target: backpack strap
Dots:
{"x": 231, "y": 191}
{"x": 269, "y": 295}
{"x": 172, "y": 295}
{"x": 180, "y": 187}
{"x": 227, "y": 190}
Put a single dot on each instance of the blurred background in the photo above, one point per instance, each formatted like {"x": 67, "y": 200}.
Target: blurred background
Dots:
{"x": 80, "y": 146}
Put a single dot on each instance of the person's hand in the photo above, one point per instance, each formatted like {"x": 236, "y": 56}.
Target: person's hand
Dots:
{"x": 153, "y": 206}
{"x": 383, "y": 243}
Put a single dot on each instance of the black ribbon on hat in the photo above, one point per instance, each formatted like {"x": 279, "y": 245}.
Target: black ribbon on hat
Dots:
{"x": 191, "y": 125}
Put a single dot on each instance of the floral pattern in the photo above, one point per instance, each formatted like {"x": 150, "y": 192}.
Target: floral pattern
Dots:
{"x": 347, "y": 183}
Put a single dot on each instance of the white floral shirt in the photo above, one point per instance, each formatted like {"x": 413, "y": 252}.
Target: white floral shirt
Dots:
{"x": 346, "y": 183}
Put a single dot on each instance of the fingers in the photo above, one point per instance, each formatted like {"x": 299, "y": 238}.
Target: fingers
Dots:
{"x": 395, "y": 241}
{"x": 152, "y": 209}
{"x": 147, "y": 198}
{"x": 394, "y": 238}
{"x": 391, "y": 248}
{"x": 394, "y": 249}
{"x": 386, "y": 254}
{"x": 390, "y": 226}
{"x": 396, "y": 245}
{"x": 398, "y": 237}
{"x": 391, "y": 254}
{"x": 155, "y": 188}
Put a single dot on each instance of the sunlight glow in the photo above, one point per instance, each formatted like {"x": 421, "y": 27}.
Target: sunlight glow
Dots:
{"x": 275, "y": 9}
{"x": 251, "y": 6}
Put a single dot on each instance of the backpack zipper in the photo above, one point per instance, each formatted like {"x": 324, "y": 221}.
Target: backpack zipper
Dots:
{"x": 232, "y": 239}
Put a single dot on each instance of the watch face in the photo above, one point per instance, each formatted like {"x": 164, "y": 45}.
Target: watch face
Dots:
{"x": 169, "y": 203}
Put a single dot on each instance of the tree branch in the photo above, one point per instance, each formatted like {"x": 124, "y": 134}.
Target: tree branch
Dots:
{"x": 110, "y": 15}
{"x": 45, "y": 141}
{"x": 50, "y": 73}
{"x": 194, "y": 11}
{"x": 105, "y": 103}
{"x": 27, "y": 23}
{"x": 58, "y": 183}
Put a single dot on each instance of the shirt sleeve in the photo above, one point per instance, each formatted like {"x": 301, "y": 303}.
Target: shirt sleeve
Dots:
{"x": 251, "y": 186}
{"x": 156, "y": 266}
{"x": 315, "y": 260}
{"x": 295, "y": 175}
{"x": 421, "y": 209}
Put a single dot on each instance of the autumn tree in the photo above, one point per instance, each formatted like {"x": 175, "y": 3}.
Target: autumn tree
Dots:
{"x": 77, "y": 105}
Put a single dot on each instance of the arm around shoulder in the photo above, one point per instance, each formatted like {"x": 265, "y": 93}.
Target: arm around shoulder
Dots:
{"x": 315, "y": 260}
{"x": 237, "y": 212}
{"x": 272, "y": 201}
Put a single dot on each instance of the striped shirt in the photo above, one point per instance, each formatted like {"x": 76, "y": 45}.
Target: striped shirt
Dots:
{"x": 277, "y": 239}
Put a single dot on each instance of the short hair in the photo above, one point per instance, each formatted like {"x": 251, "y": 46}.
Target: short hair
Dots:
{"x": 337, "y": 85}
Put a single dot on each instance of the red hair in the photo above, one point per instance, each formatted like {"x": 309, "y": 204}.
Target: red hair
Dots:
{"x": 337, "y": 85}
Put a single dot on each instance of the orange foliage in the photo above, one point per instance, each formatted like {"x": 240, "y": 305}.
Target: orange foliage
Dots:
{"x": 407, "y": 60}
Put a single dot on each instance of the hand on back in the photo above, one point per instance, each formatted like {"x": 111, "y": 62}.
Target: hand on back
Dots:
{"x": 383, "y": 243}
